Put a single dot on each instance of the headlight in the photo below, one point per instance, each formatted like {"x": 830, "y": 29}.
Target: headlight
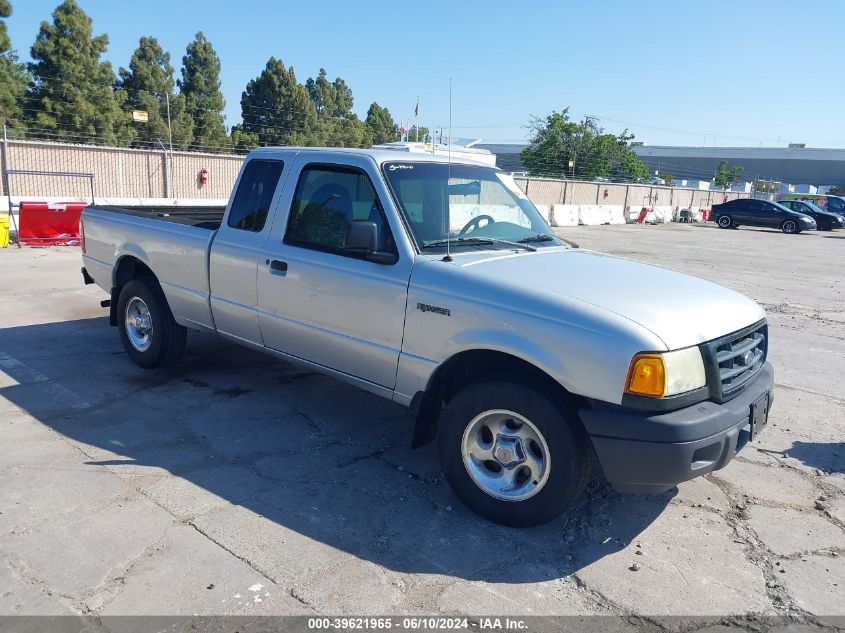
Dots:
{"x": 667, "y": 374}
{"x": 808, "y": 220}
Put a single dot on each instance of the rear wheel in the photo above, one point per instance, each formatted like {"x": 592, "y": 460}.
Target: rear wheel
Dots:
{"x": 511, "y": 455}
{"x": 725, "y": 221}
{"x": 789, "y": 226}
{"x": 149, "y": 334}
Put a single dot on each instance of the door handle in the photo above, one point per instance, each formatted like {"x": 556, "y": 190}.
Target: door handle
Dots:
{"x": 278, "y": 265}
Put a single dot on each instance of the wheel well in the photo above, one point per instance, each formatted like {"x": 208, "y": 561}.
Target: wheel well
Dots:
{"x": 470, "y": 366}
{"x": 128, "y": 268}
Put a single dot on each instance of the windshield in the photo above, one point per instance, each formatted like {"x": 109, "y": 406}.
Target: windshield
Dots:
{"x": 473, "y": 206}
{"x": 812, "y": 206}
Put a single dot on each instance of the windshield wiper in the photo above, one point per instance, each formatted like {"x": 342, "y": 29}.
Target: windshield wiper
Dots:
{"x": 542, "y": 237}
{"x": 477, "y": 240}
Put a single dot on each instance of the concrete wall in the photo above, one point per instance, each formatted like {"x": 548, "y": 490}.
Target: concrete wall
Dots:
{"x": 134, "y": 173}
{"x": 548, "y": 191}
{"x": 118, "y": 172}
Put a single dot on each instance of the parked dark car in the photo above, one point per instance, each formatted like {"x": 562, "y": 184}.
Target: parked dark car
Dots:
{"x": 835, "y": 204}
{"x": 825, "y": 220}
{"x": 751, "y": 212}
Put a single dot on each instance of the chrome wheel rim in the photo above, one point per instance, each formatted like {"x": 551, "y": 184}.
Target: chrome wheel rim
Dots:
{"x": 724, "y": 222}
{"x": 139, "y": 324}
{"x": 505, "y": 455}
{"x": 789, "y": 226}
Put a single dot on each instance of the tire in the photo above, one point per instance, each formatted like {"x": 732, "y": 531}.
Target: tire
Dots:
{"x": 559, "y": 452}
{"x": 154, "y": 340}
{"x": 724, "y": 221}
{"x": 789, "y": 226}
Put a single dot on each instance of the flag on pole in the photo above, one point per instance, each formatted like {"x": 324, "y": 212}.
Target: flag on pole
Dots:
{"x": 402, "y": 130}
{"x": 417, "y": 109}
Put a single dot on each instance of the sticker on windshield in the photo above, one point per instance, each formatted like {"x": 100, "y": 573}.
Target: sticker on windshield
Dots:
{"x": 394, "y": 167}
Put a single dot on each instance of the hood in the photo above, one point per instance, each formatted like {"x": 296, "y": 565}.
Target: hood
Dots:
{"x": 679, "y": 309}
{"x": 798, "y": 215}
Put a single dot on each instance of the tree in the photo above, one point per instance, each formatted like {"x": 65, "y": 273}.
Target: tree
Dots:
{"x": 343, "y": 132}
{"x": 667, "y": 179}
{"x": 322, "y": 93}
{"x": 336, "y": 125}
{"x": 381, "y": 124}
{"x": 412, "y": 136}
{"x": 557, "y": 140}
{"x": 149, "y": 84}
{"x": 200, "y": 85}
{"x": 343, "y": 100}
{"x": 331, "y": 99}
{"x": 13, "y": 76}
{"x": 5, "y": 12}
{"x": 242, "y": 141}
{"x": 838, "y": 190}
{"x": 767, "y": 186}
{"x": 13, "y": 82}
{"x": 71, "y": 95}
{"x": 726, "y": 176}
{"x": 277, "y": 109}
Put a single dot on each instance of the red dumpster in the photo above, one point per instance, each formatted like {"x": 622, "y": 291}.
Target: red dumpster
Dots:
{"x": 49, "y": 223}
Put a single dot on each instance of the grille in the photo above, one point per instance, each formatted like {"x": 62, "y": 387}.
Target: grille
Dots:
{"x": 738, "y": 357}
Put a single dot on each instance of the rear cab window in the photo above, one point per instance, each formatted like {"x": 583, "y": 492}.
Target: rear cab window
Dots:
{"x": 252, "y": 200}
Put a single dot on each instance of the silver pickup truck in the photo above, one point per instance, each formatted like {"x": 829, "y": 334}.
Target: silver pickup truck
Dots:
{"x": 437, "y": 284}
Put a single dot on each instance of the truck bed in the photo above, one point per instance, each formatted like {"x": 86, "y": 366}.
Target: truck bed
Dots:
{"x": 200, "y": 217}
{"x": 173, "y": 242}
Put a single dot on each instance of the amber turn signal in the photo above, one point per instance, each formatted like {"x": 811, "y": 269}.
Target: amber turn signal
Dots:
{"x": 647, "y": 376}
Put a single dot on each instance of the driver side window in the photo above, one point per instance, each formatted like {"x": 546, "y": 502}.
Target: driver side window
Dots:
{"x": 328, "y": 200}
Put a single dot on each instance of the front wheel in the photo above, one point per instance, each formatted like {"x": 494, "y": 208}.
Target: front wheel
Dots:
{"x": 511, "y": 455}
{"x": 724, "y": 222}
{"x": 789, "y": 226}
{"x": 149, "y": 334}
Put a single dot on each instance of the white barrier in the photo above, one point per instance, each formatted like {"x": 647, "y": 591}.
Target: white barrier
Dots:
{"x": 545, "y": 211}
{"x": 615, "y": 214}
{"x": 565, "y": 214}
{"x": 632, "y": 212}
{"x": 663, "y": 212}
{"x": 590, "y": 214}
{"x": 461, "y": 214}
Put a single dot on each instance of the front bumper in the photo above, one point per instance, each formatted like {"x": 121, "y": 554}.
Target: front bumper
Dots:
{"x": 652, "y": 452}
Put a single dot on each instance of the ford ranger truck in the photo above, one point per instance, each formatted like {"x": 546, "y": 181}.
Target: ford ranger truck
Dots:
{"x": 438, "y": 285}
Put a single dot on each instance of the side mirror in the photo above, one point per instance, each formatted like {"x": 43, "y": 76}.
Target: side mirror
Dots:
{"x": 362, "y": 236}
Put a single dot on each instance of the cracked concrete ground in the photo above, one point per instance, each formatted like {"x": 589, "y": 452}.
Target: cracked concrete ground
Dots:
{"x": 233, "y": 483}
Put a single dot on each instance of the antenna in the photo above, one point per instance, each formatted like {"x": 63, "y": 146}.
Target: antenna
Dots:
{"x": 448, "y": 257}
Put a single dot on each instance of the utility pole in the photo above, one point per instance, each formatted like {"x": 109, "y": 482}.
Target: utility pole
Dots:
{"x": 5, "y": 165}
{"x": 170, "y": 134}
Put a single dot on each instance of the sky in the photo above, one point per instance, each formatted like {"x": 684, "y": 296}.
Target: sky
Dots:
{"x": 751, "y": 73}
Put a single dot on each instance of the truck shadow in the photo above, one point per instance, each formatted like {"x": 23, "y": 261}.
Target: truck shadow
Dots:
{"x": 827, "y": 456}
{"x": 270, "y": 458}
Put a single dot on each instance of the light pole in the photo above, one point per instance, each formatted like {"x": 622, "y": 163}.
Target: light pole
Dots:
{"x": 167, "y": 185}
{"x": 170, "y": 135}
